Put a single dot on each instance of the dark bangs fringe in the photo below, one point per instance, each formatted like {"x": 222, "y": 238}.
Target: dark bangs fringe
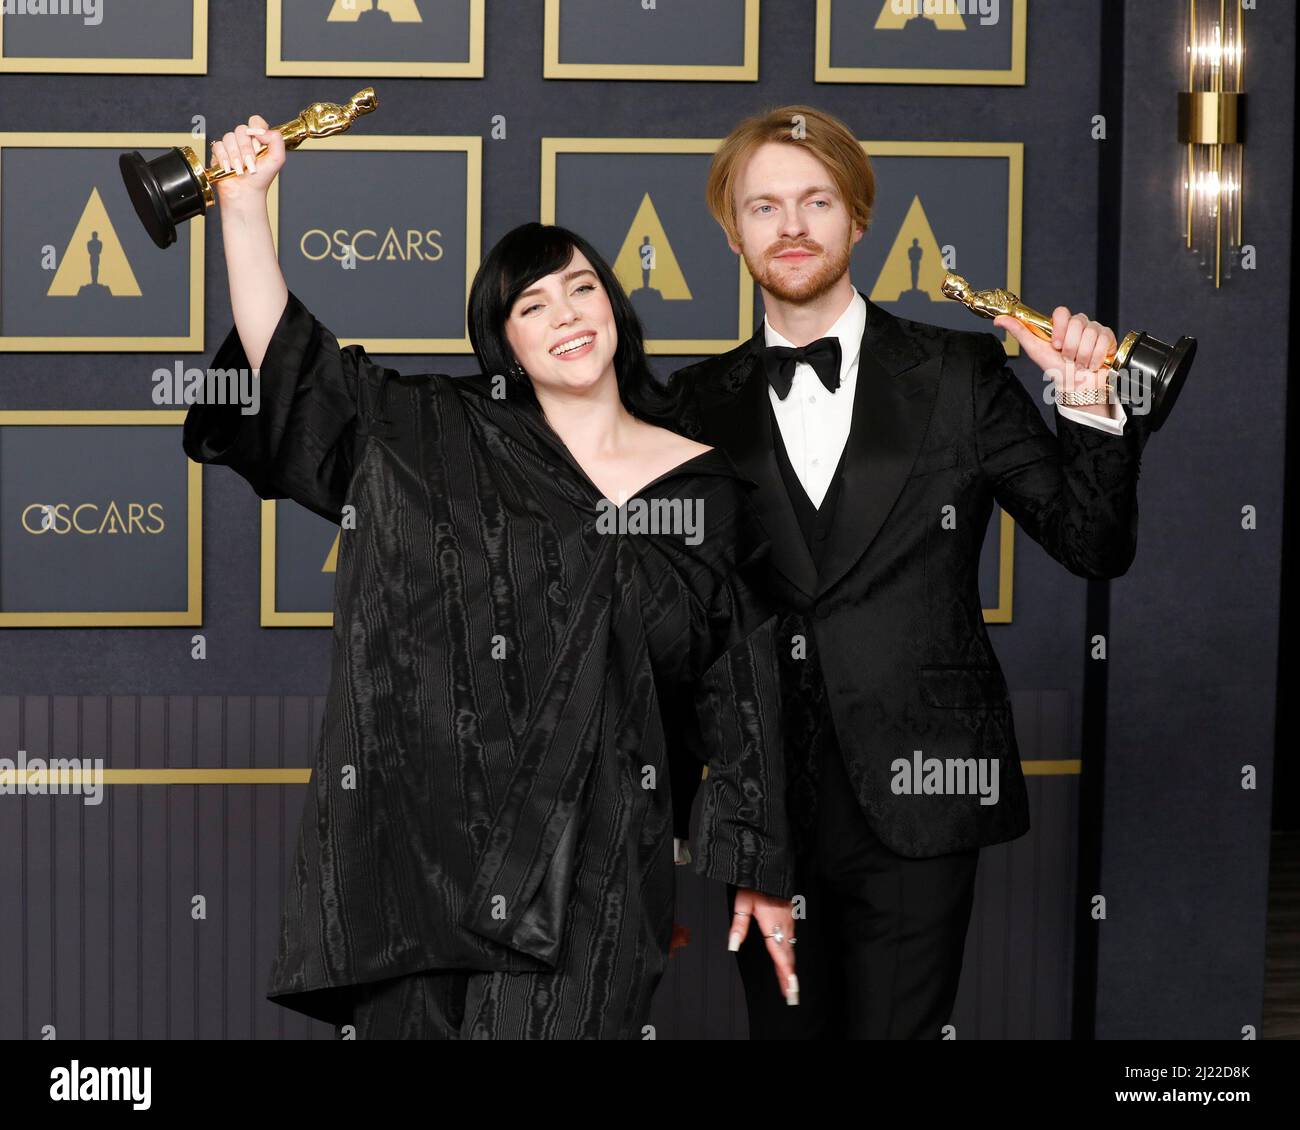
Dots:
{"x": 533, "y": 251}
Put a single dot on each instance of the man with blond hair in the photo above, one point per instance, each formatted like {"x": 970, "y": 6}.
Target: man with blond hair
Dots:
{"x": 879, "y": 446}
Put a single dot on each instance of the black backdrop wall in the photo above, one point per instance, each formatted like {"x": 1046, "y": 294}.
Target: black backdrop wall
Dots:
{"x": 96, "y": 936}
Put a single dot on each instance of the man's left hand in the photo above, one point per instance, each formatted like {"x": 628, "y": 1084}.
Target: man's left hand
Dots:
{"x": 1075, "y": 358}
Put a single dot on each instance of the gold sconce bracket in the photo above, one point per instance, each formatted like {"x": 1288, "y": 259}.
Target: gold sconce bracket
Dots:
{"x": 1211, "y": 117}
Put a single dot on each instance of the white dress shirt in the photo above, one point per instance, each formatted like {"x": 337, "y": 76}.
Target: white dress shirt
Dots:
{"x": 815, "y": 423}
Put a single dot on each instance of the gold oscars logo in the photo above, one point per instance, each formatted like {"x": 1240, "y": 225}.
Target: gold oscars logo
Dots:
{"x": 914, "y": 268}
{"x": 897, "y": 14}
{"x": 647, "y": 266}
{"x": 93, "y": 263}
{"x": 352, "y": 11}
{"x": 91, "y": 518}
{"x": 367, "y": 245}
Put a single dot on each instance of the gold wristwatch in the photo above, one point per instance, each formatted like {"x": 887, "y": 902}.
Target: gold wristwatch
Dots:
{"x": 1088, "y": 396}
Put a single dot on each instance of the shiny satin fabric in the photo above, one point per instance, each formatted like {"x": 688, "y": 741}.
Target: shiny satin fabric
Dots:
{"x": 512, "y": 686}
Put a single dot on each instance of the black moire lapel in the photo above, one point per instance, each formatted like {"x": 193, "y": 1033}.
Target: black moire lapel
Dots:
{"x": 741, "y": 424}
{"x": 519, "y": 416}
{"x": 898, "y": 378}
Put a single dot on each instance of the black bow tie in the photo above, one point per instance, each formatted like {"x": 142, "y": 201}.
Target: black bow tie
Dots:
{"x": 823, "y": 355}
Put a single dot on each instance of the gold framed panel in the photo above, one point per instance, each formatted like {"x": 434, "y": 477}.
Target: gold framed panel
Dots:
{"x": 190, "y": 342}
{"x": 193, "y": 611}
{"x": 196, "y": 64}
{"x": 554, "y": 147}
{"x": 276, "y": 64}
{"x": 472, "y": 146}
{"x": 1014, "y": 153}
{"x": 824, "y": 71}
{"x": 270, "y": 616}
{"x": 1001, "y": 613}
{"x": 747, "y": 71}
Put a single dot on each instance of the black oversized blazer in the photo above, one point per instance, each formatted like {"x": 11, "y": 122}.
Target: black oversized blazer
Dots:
{"x": 894, "y": 618}
{"x": 512, "y": 685}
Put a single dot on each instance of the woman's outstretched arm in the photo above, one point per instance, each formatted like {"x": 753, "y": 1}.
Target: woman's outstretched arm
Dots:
{"x": 298, "y": 439}
{"x": 258, "y": 292}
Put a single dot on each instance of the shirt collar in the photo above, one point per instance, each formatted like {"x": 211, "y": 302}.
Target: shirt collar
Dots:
{"x": 849, "y": 328}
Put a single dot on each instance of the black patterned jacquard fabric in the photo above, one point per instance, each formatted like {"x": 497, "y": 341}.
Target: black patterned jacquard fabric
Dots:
{"x": 510, "y": 683}
{"x": 882, "y": 638}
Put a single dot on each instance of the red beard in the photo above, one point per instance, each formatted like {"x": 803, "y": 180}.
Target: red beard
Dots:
{"x": 805, "y": 287}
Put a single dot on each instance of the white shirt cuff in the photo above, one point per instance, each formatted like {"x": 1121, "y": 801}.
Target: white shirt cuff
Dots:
{"x": 1114, "y": 424}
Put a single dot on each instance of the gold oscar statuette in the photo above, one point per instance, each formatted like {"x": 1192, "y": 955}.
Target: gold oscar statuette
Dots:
{"x": 1151, "y": 371}
{"x": 176, "y": 187}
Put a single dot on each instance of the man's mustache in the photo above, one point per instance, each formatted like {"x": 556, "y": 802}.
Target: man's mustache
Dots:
{"x": 812, "y": 248}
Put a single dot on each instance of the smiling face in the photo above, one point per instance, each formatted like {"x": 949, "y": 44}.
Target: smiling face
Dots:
{"x": 795, "y": 232}
{"x": 562, "y": 330}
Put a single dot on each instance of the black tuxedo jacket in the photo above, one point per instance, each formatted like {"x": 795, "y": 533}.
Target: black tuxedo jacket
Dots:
{"x": 886, "y": 643}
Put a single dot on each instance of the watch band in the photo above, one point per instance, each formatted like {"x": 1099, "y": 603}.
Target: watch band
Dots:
{"x": 1087, "y": 396}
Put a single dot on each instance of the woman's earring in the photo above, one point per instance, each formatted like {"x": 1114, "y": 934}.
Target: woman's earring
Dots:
{"x": 517, "y": 371}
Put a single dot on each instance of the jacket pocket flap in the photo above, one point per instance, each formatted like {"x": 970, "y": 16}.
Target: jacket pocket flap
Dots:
{"x": 962, "y": 686}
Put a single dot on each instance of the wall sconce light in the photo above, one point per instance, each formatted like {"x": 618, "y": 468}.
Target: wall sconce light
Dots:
{"x": 1211, "y": 124}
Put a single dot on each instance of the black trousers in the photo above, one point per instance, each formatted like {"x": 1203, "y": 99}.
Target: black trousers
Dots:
{"x": 878, "y": 953}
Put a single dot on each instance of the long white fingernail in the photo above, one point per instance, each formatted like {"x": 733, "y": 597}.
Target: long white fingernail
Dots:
{"x": 792, "y": 990}
{"x": 733, "y": 942}
{"x": 250, "y": 163}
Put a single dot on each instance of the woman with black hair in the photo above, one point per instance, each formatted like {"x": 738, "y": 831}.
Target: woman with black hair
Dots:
{"x": 544, "y": 609}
